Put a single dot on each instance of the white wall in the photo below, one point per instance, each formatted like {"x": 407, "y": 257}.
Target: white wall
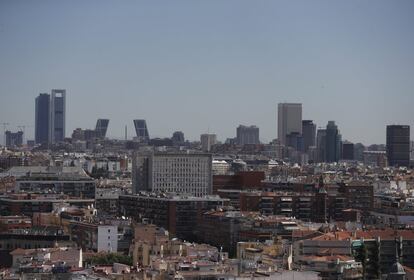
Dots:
{"x": 107, "y": 238}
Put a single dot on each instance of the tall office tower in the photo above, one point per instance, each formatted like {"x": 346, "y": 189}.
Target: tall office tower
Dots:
{"x": 57, "y": 117}
{"x": 398, "y": 145}
{"x": 101, "y": 128}
{"x": 321, "y": 145}
{"x": 178, "y": 138}
{"x": 347, "y": 150}
{"x": 309, "y": 134}
{"x": 289, "y": 120}
{"x": 181, "y": 173}
{"x": 295, "y": 140}
{"x": 207, "y": 140}
{"x": 42, "y": 104}
{"x": 141, "y": 130}
{"x": 247, "y": 135}
{"x": 412, "y": 150}
{"x": 14, "y": 139}
{"x": 333, "y": 142}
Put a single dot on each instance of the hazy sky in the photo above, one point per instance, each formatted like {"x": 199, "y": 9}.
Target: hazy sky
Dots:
{"x": 201, "y": 66}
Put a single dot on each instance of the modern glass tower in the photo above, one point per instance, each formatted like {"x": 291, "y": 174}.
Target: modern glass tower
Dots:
{"x": 57, "y": 122}
{"x": 309, "y": 134}
{"x": 333, "y": 142}
{"x": 42, "y": 105}
{"x": 398, "y": 145}
{"x": 141, "y": 130}
{"x": 101, "y": 128}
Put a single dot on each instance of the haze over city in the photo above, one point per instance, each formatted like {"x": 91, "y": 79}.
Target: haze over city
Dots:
{"x": 209, "y": 66}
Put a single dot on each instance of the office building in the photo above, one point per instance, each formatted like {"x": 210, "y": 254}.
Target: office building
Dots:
{"x": 181, "y": 173}
{"x": 398, "y": 145}
{"x": 347, "y": 151}
{"x": 289, "y": 120}
{"x": 42, "y": 114}
{"x": 333, "y": 142}
{"x": 308, "y": 134}
{"x": 247, "y": 135}
{"x": 295, "y": 140}
{"x": 101, "y": 128}
{"x": 73, "y": 181}
{"x": 178, "y": 214}
{"x": 207, "y": 140}
{"x": 321, "y": 145}
{"x": 14, "y": 139}
{"x": 141, "y": 131}
{"x": 57, "y": 117}
{"x": 178, "y": 138}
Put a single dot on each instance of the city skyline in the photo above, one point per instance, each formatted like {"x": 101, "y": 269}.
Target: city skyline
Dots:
{"x": 341, "y": 60}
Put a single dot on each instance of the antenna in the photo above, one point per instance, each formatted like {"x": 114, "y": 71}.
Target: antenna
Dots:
{"x": 126, "y": 132}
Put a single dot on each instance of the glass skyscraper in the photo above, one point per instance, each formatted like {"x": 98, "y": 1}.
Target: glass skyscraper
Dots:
{"x": 42, "y": 105}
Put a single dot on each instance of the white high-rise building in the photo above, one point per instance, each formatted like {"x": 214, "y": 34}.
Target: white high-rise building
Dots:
{"x": 289, "y": 120}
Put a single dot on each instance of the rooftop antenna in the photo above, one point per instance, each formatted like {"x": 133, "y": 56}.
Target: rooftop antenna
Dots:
{"x": 126, "y": 132}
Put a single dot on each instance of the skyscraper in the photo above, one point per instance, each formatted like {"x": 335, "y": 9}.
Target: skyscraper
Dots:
{"x": 14, "y": 139}
{"x": 321, "y": 145}
{"x": 289, "y": 120}
{"x": 101, "y": 128}
{"x": 207, "y": 140}
{"x": 398, "y": 145}
{"x": 309, "y": 134}
{"x": 42, "y": 115}
{"x": 57, "y": 121}
{"x": 333, "y": 142}
{"x": 247, "y": 135}
{"x": 347, "y": 150}
{"x": 141, "y": 130}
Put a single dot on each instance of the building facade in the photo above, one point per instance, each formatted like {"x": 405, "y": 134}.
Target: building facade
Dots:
{"x": 398, "y": 145}
{"x": 348, "y": 151}
{"x": 177, "y": 214}
{"x": 247, "y": 135}
{"x": 289, "y": 120}
{"x": 172, "y": 173}
{"x": 207, "y": 140}
{"x": 321, "y": 145}
{"x": 141, "y": 131}
{"x": 42, "y": 105}
{"x": 333, "y": 142}
{"x": 101, "y": 128}
{"x": 308, "y": 134}
{"x": 57, "y": 118}
{"x": 14, "y": 139}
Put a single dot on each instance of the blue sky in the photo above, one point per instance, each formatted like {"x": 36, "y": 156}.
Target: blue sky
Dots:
{"x": 201, "y": 66}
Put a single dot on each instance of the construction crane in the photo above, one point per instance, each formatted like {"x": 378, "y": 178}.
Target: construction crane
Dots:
{"x": 5, "y": 124}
